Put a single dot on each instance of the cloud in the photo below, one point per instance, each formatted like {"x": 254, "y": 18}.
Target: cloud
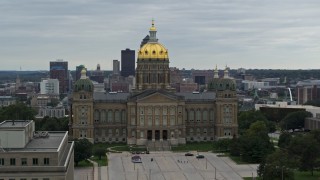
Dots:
{"x": 252, "y": 34}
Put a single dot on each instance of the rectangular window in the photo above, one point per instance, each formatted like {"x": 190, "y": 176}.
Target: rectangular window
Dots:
{"x": 1, "y": 162}
{"x": 23, "y": 161}
{"x": 149, "y": 120}
{"x": 34, "y": 179}
{"x": 12, "y": 161}
{"x": 46, "y": 161}
{"x": 23, "y": 179}
{"x": 35, "y": 161}
{"x": 164, "y": 120}
{"x": 142, "y": 120}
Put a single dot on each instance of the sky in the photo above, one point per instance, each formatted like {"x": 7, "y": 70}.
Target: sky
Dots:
{"x": 199, "y": 34}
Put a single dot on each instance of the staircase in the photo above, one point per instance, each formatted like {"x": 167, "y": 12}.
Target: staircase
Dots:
{"x": 158, "y": 145}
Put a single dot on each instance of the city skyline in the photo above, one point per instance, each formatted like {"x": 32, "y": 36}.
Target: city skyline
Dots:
{"x": 197, "y": 34}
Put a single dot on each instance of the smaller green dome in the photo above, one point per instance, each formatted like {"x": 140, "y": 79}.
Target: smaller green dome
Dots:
{"x": 222, "y": 84}
{"x": 84, "y": 83}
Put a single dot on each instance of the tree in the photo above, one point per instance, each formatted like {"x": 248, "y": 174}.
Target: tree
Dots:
{"x": 277, "y": 165}
{"x": 52, "y": 124}
{"x": 99, "y": 151}
{"x": 255, "y": 143}
{"x": 307, "y": 149}
{"x": 82, "y": 150}
{"x": 284, "y": 140}
{"x": 294, "y": 120}
{"x": 19, "y": 111}
{"x": 246, "y": 118}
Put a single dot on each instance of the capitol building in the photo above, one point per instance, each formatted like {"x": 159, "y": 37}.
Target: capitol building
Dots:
{"x": 153, "y": 112}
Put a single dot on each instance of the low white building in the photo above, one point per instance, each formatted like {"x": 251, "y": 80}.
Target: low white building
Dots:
{"x": 58, "y": 112}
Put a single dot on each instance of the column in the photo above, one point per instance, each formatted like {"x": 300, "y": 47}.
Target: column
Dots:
{"x": 153, "y": 135}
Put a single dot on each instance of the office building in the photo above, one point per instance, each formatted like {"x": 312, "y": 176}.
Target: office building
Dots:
{"x": 59, "y": 70}
{"x": 49, "y": 86}
{"x": 127, "y": 62}
{"x": 26, "y": 154}
{"x": 116, "y": 67}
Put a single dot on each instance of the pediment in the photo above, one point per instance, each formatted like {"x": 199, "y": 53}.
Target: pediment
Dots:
{"x": 158, "y": 98}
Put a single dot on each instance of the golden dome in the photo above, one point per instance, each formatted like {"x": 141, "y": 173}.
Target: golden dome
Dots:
{"x": 153, "y": 51}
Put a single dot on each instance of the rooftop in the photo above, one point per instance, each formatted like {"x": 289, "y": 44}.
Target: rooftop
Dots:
{"x": 50, "y": 143}
{"x": 14, "y": 124}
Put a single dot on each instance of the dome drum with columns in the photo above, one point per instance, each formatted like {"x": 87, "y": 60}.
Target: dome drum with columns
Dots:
{"x": 152, "y": 70}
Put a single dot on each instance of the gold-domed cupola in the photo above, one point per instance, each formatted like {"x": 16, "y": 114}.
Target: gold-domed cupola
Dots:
{"x": 153, "y": 50}
{"x": 152, "y": 70}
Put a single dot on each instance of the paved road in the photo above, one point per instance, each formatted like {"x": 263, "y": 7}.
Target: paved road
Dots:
{"x": 85, "y": 173}
{"x": 176, "y": 166}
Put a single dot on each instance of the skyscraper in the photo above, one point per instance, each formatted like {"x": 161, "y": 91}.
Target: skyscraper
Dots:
{"x": 127, "y": 62}
{"x": 116, "y": 67}
{"x": 78, "y": 71}
{"x": 59, "y": 70}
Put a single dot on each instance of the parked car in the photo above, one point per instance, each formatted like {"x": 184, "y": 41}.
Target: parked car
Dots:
{"x": 200, "y": 156}
{"x": 188, "y": 154}
{"x": 136, "y": 159}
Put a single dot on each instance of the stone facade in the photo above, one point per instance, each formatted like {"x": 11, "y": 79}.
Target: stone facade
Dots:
{"x": 154, "y": 112}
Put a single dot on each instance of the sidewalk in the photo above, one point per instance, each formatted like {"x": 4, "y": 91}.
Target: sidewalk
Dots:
{"x": 95, "y": 170}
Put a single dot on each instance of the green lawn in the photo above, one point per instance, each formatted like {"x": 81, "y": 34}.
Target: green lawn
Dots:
{"x": 250, "y": 178}
{"x": 298, "y": 175}
{"x": 238, "y": 159}
{"x": 302, "y": 175}
{"x": 84, "y": 163}
{"x": 194, "y": 146}
{"x": 102, "y": 162}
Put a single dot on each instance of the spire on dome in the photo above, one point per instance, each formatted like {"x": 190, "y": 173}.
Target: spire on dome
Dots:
{"x": 153, "y": 32}
{"x": 83, "y": 74}
{"x": 216, "y": 73}
{"x": 226, "y": 72}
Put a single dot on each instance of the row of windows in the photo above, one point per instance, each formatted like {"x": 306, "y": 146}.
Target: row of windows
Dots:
{"x": 199, "y": 115}
{"x": 24, "y": 161}
{"x": 108, "y": 116}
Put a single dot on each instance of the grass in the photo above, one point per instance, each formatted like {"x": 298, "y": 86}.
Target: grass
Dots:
{"x": 298, "y": 175}
{"x": 102, "y": 162}
{"x": 250, "y": 178}
{"x": 84, "y": 163}
{"x": 301, "y": 175}
{"x": 237, "y": 159}
{"x": 194, "y": 146}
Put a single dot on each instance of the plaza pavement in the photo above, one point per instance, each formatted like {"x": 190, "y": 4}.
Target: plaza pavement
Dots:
{"x": 175, "y": 166}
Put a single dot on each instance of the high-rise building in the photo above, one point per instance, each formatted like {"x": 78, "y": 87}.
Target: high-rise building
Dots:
{"x": 78, "y": 71}
{"x": 59, "y": 70}
{"x": 97, "y": 75}
{"x": 127, "y": 62}
{"x": 116, "y": 67}
{"x": 49, "y": 86}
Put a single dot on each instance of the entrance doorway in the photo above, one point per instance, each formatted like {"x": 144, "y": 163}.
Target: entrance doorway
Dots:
{"x": 149, "y": 135}
{"x": 164, "y": 134}
{"x": 157, "y": 134}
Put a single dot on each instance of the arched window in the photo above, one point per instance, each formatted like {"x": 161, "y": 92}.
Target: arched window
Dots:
{"x": 191, "y": 115}
{"x": 110, "y": 116}
{"x": 123, "y": 116}
{"x": 96, "y": 116}
{"x": 103, "y": 117}
{"x": 205, "y": 115}
{"x": 198, "y": 115}
{"x": 117, "y": 116}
